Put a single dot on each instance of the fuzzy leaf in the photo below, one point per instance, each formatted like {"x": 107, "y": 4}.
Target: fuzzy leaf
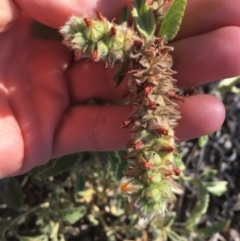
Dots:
{"x": 169, "y": 219}
{"x": 105, "y": 162}
{"x": 219, "y": 227}
{"x": 199, "y": 209}
{"x": 203, "y": 140}
{"x": 118, "y": 165}
{"x": 208, "y": 175}
{"x": 44, "y": 32}
{"x": 36, "y": 238}
{"x": 11, "y": 192}
{"x": 54, "y": 167}
{"x": 175, "y": 237}
{"x": 143, "y": 18}
{"x": 178, "y": 159}
{"x": 172, "y": 19}
{"x": 112, "y": 163}
{"x": 80, "y": 183}
{"x": 229, "y": 85}
{"x": 216, "y": 188}
{"x": 124, "y": 16}
{"x": 72, "y": 215}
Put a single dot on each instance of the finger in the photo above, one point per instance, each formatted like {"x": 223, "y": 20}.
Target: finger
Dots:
{"x": 207, "y": 57}
{"x": 202, "y": 16}
{"x": 98, "y": 128}
{"x": 9, "y": 12}
{"x": 197, "y": 60}
{"x": 56, "y": 13}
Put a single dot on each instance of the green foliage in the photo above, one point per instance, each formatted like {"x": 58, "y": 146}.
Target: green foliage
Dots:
{"x": 200, "y": 207}
{"x": 216, "y": 188}
{"x": 172, "y": 20}
{"x": 37, "y": 238}
{"x": 55, "y": 167}
{"x": 144, "y": 18}
{"x": 125, "y": 15}
{"x": 112, "y": 163}
{"x": 11, "y": 192}
{"x": 216, "y": 228}
{"x": 175, "y": 237}
{"x": 72, "y": 215}
{"x": 90, "y": 195}
{"x": 229, "y": 85}
{"x": 202, "y": 140}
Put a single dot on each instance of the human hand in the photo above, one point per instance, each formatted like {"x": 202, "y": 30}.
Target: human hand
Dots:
{"x": 41, "y": 86}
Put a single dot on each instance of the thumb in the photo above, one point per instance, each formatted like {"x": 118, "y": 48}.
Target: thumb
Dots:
{"x": 9, "y": 12}
{"x": 56, "y": 13}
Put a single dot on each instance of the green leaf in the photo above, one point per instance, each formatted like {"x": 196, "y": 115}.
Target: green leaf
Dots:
{"x": 175, "y": 237}
{"x": 207, "y": 175}
{"x": 199, "y": 209}
{"x": 72, "y": 215}
{"x": 169, "y": 219}
{"x": 203, "y": 140}
{"x": 216, "y": 188}
{"x": 11, "y": 192}
{"x": 105, "y": 162}
{"x": 80, "y": 183}
{"x": 178, "y": 159}
{"x": 144, "y": 18}
{"x": 125, "y": 14}
{"x": 44, "y": 32}
{"x": 172, "y": 19}
{"x": 229, "y": 85}
{"x": 112, "y": 163}
{"x": 37, "y": 238}
{"x": 118, "y": 164}
{"x": 55, "y": 167}
{"x": 219, "y": 227}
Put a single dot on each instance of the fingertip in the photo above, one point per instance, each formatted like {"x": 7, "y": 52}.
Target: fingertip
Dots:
{"x": 9, "y": 12}
{"x": 201, "y": 115}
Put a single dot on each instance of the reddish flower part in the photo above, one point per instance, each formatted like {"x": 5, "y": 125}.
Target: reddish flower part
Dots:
{"x": 88, "y": 21}
{"x": 129, "y": 143}
{"x": 100, "y": 16}
{"x": 95, "y": 55}
{"x": 162, "y": 131}
{"x": 176, "y": 170}
{"x": 113, "y": 31}
{"x": 138, "y": 145}
{"x": 148, "y": 165}
{"x": 167, "y": 148}
{"x": 126, "y": 93}
{"x": 152, "y": 105}
{"x": 174, "y": 96}
{"x": 148, "y": 89}
{"x": 138, "y": 44}
{"x": 128, "y": 122}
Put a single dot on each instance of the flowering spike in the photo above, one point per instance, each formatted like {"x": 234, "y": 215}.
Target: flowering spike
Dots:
{"x": 147, "y": 64}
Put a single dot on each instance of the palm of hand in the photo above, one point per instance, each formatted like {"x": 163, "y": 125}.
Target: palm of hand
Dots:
{"x": 33, "y": 94}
